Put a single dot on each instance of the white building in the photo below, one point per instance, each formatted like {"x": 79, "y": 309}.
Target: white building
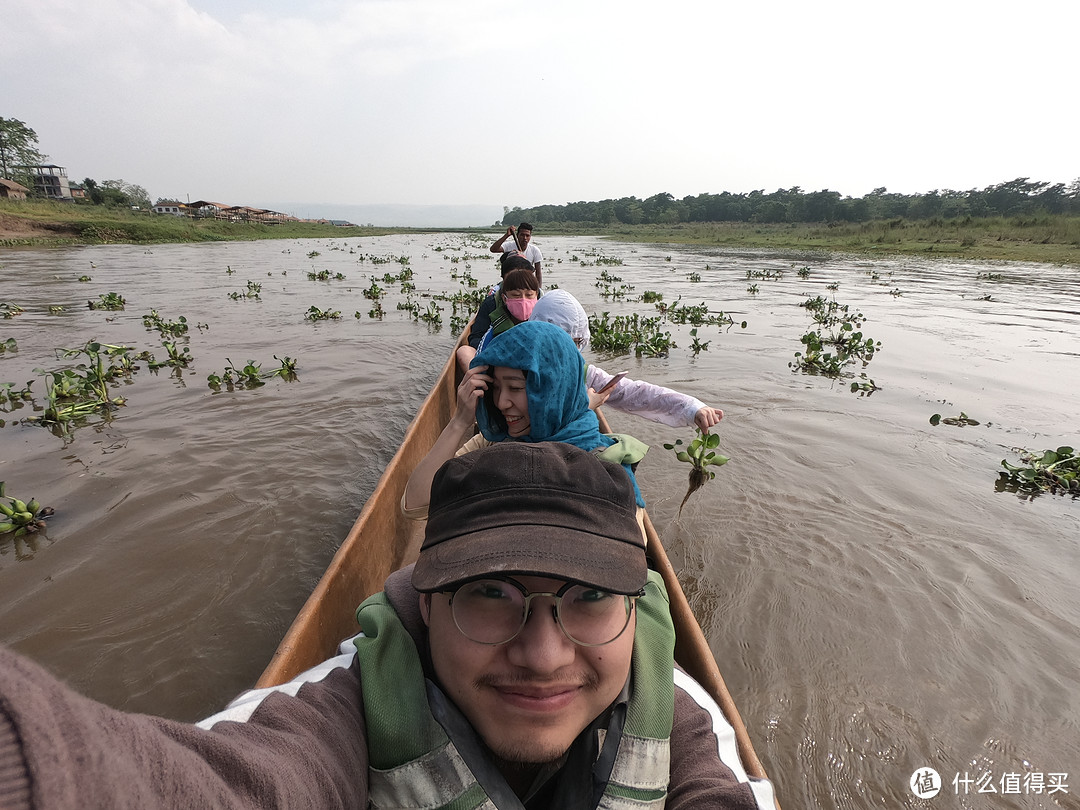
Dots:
{"x": 176, "y": 209}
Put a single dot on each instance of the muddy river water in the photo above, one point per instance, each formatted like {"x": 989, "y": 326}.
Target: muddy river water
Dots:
{"x": 877, "y": 602}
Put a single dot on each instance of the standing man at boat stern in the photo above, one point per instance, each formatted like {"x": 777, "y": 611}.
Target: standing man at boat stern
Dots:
{"x": 525, "y": 661}
{"x": 522, "y": 243}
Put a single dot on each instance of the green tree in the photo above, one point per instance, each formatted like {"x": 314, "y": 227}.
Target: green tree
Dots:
{"x": 93, "y": 191}
{"x": 118, "y": 193}
{"x": 18, "y": 149}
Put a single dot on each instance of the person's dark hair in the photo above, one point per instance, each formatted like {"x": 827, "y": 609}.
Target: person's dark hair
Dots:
{"x": 489, "y": 402}
{"x": 525, "y": 226}
{"x": 521, "y": 279}
{"x": 513, "y": 261}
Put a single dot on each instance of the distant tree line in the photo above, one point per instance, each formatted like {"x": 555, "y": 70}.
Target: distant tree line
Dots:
{"x": 1019, "y": 197}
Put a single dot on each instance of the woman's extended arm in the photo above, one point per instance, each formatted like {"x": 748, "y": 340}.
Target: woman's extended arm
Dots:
{"x": 664, "y": 405}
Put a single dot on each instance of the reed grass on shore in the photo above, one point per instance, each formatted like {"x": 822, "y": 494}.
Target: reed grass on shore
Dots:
{"x": 1054, "y": 239}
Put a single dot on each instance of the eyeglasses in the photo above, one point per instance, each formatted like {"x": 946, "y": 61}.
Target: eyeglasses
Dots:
{"x": 494, "y": 611}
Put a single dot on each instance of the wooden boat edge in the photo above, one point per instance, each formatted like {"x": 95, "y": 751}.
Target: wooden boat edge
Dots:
{"x": 316, "y": 627}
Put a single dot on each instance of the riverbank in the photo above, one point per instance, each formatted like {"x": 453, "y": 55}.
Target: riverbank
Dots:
{"x": 37, "y": 223}
{"x": 1053, "y": 239}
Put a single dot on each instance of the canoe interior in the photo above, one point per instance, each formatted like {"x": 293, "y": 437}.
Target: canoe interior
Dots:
{"x": 382, "y": 541}
{"x": 379, "y": 543}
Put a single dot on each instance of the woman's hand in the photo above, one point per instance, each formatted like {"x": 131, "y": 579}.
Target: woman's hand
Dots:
{"x": 706, "y": 417}
{"x": 470, "y": 391}
{"x": 454, "y": 435}
{"x": 598, "y": 398}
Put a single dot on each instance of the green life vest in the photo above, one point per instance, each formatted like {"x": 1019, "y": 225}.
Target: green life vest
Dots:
{"x": 501, "y": 319}
{"x": 414, "y": 764}
{"x": 626, "y": 450}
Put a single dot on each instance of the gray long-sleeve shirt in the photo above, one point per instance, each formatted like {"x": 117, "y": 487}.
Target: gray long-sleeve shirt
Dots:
{"x": 301, "y": 745}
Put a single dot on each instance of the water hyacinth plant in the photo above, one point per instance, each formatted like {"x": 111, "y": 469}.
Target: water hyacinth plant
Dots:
{"x": 22, "y": 517}
{"x": 963, "y": 420}
{"x": 1055, "y": 471}
{"x": 316, "y": 314}
{"x": 112, "y": 302}
{"x": 700, "y": 454}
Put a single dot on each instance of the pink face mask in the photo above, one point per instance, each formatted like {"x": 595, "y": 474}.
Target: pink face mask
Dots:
{"x": 520, "y": 308}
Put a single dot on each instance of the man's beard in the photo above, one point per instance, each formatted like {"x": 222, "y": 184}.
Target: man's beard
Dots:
{"x": 528, "y": 750}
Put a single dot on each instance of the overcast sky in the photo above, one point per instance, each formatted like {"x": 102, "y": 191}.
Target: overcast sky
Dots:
{"x": 524, "y": 103}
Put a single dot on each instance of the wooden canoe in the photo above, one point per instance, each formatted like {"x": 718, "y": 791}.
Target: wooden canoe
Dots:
{"x": 382, "y": 541}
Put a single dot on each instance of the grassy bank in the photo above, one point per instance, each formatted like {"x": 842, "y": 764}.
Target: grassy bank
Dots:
{"x": 1051, "y": 238}
{"x": 34, "y": 222}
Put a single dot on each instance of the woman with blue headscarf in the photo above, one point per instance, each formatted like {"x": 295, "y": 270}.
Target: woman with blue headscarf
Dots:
{"x": 527, "y": 385}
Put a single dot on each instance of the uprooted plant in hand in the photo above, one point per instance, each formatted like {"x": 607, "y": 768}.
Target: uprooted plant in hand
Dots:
{"x": 700, "y": 454}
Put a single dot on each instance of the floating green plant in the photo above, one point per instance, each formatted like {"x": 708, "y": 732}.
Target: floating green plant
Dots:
{"x": 252, "y": 291}
{"x": 247, "y": 375}
{"x": 9, "y": 393}
{"x": 286, "y": 370}
{"x": 111, "y": 301}
{"x": 316, "y": 314}
{"x": 374, "y": 292}
{"x": 178, "y": 358}
{"x": 8, "y": 345}
{"x": 963, "y": 420}
{"x": 695, "y": 315}
{"x": 774, "y": 275}
{"x": 153, "y": 320}
{"x": 700, "y": 454}
{"x": 626, "y": 332}
{"x": 611, "y": 260}
{"x": 612, "y": 286}
{"x": 251, "y": 374}
{"x": 697, "y": 345}
{"x": 1054, "y": 471}
{"x": 22, "y": 517}
{"x": 866, "y": 387}
{"x": 433, "y": 314}
{"x": 9, "y": 310}
{"x": 836, "y": 343}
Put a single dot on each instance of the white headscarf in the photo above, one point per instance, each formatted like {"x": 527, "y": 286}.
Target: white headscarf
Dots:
{"x": 561, "y": 308}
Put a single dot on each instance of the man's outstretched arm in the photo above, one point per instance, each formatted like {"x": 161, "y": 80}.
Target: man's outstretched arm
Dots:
{"x": 60, "y": 750}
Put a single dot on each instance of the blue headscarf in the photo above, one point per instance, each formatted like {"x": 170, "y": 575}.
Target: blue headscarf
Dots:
{"x": 554, "y": 386}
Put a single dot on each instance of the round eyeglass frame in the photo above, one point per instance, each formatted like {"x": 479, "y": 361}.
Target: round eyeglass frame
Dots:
{"x": 556, "y": 609}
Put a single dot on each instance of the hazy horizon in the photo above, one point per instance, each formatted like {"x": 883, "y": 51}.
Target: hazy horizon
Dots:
{"x": 390, "y": 216}
{"x": 478, "y": 103}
